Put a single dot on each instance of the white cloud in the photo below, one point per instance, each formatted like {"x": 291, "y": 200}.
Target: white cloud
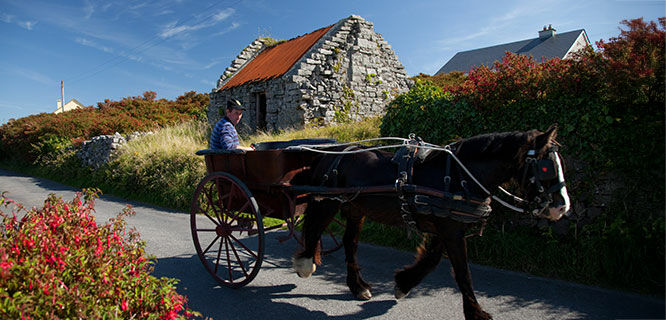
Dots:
{"x": 172, "y": 28}
{"x": 497, "y": 26}
{"x": 88, "y": 10}
{"x": 34, "y": 76}
{"x": 93, "y": 44}
{"x": 27, "y": 24}
{"x": 6, "y": 18}
{"x": 164, "y": 12}
{"x": 234, "y": 25}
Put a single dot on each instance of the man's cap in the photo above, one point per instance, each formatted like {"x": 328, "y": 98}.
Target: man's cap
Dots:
{"x": 234, "y": 104}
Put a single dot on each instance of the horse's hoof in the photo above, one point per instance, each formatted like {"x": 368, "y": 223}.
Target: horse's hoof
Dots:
{"x": 364, "y": 295}
{"x": 304, "y": 267}
{"x": 399, "y": 294}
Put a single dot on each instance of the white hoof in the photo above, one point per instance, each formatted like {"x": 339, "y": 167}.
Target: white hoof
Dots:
{"x": 399, "y": 294}
{"x": 365, "y": 295}
{"x": 304, "y": 267}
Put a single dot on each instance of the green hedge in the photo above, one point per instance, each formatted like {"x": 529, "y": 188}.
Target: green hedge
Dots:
{"x": 609, "y": 106}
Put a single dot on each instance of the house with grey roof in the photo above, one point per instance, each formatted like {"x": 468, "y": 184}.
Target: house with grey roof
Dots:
{"x": 547, "y": 45}
{"x": 344, "y": 71}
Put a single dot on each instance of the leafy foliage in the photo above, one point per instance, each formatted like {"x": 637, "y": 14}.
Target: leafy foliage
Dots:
{"x": 57, "y": 262}
{"x": 442, "y": 80}
{"x": 37, "y": 135}
{"x": 610, "y": 109}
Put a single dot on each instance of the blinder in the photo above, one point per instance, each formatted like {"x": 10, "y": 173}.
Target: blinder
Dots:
{"x": 546, "y": 170}
{"x": 543, "y": 171}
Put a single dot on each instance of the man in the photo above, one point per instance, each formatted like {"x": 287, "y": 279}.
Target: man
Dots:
{"x": 224, "y": 135}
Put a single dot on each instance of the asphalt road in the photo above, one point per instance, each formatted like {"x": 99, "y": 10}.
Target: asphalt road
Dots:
{"x": 277, "y": 293}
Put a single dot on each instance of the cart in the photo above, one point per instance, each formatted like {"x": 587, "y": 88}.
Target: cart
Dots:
{"x": 231, "y": 201}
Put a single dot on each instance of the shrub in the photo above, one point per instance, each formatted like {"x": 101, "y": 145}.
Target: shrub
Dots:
{"x": 610, "y": 109}
{"x": 442, "y": 80}
{"x": 57, "y": 262}
{"x": 32, "y": 137}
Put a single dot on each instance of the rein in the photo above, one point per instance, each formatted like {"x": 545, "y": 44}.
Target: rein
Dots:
{"x": 413, "y": 143}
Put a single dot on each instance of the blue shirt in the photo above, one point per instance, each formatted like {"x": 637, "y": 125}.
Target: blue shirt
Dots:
{"x": 224, "y": 135}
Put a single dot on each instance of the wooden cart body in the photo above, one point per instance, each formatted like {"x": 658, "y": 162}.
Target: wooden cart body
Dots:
{"x": 240, "y": 189}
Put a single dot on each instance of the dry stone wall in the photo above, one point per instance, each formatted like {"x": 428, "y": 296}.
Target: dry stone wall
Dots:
{"x": 101, "y": 149}
{"x": 350, "y": 73}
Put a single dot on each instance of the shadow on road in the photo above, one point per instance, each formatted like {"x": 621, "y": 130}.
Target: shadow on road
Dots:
{"x": 251, "y": 302}
{"x": 514, "y": 291}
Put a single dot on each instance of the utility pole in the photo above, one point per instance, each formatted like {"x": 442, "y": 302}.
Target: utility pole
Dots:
{"x": 62, "y": 95}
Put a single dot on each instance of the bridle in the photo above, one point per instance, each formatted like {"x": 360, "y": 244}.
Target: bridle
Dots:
{"x": 542, "y": 170}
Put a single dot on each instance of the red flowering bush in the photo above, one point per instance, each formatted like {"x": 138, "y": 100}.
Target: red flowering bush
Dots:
{"x": 609, "y": 104}
{"x": 610, "y": 109}
{"x": 33, "y": 136}
{"x": 57, "y": 262}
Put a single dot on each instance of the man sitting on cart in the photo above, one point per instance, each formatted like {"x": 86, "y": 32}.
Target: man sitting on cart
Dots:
{"x": 224, "y": 135}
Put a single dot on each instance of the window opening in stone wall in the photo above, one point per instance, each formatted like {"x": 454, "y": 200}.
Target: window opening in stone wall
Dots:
{"x": 261, "y": 111}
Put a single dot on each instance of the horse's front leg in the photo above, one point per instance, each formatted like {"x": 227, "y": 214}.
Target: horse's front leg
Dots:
{"x": 429, "y": 256}
{"x": 355, "y": 282}
{"x": 318, "y": 215}
{"x": 456, "y": 246}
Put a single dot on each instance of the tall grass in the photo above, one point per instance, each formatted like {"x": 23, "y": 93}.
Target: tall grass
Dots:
{"x": 347, "y": 132}
{"x": 160, "y": 168}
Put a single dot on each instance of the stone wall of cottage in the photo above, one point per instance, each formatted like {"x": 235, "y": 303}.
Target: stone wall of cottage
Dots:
{"x": 350, "y": 73}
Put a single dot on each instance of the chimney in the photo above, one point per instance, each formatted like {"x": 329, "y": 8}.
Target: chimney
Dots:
{"x": 546, "y": 32}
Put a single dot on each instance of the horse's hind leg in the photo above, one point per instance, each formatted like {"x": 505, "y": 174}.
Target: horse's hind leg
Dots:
{"x": 429, "y": 256}
{"x": 355, "y": 282}
{"x": 318, "y": 215}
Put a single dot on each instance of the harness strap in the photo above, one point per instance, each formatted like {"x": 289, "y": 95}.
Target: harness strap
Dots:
{"x": 405, "y": 172}
{"x": 447, "y": 174}
{"x": 332, "y": 172}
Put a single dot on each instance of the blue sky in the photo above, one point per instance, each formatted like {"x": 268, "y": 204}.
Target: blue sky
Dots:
{"x": 110, "y": 49}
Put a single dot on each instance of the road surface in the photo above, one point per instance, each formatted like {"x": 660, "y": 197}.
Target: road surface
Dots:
{"x": 278, "y": 293}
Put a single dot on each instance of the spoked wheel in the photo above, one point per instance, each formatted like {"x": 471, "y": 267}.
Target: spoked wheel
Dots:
{"x": 330, "y": 240}
{"x": 227, "y": 229}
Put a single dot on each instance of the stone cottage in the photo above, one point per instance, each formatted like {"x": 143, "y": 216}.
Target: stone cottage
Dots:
{"x": 342, "y": 72}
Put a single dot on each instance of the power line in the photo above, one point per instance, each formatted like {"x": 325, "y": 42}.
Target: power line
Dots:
{"x": 118, "y": 59}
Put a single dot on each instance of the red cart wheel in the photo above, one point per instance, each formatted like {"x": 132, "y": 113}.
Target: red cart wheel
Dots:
{"x": 227, "y": 229}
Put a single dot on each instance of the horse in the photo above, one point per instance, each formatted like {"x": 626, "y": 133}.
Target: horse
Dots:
{"x": 466, "y": 169}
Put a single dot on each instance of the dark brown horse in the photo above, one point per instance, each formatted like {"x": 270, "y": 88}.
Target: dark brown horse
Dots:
{"x": 478, "y": 164}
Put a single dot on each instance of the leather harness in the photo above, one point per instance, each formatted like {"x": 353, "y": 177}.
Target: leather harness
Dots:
{"x": 462, "y": 207}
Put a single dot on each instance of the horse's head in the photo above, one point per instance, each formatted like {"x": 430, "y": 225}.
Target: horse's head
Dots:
{"x": 543, "y": 176}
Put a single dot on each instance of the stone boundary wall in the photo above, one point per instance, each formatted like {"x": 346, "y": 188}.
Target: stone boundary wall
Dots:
{"x": 101, "y": 149}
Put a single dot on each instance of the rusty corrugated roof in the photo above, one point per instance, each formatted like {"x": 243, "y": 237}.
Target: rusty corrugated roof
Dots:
{"x": 274, "y": 62}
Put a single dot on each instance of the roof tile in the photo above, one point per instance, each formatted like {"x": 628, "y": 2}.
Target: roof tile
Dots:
{"x": 275, "y": 61}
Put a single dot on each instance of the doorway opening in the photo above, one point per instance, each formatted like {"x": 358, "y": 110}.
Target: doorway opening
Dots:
{"x": 261, "y": 111}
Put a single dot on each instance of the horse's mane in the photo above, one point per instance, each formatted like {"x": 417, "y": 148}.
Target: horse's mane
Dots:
{"x": 499, "y": 145}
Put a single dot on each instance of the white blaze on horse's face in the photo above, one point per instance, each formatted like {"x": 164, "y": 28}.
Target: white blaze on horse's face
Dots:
{"x": 555, "y": 213}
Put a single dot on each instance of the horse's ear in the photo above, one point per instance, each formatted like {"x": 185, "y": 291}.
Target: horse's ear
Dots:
{"x": 545, "y": 139}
